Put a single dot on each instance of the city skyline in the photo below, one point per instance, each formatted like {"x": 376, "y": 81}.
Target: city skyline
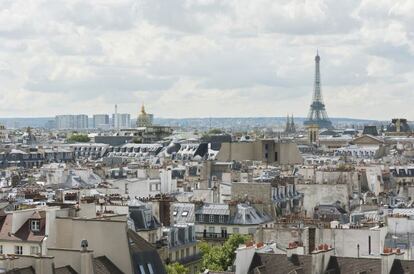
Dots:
{"x": 76, "y": 57}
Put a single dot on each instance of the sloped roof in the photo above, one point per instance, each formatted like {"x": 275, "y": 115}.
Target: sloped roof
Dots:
{"x": 24, "y": 233}
{"x": 102, "y": 265}
{"x": 354, "y": 265}
{"x": 25, "y": 270}
{"x": 144, "y": 255}
{"x": 67, "y": 269}
{"x": 249, "y": 215}
{"x": 368, "y": 137}
{"x": 402, "y": 266}
{"x": 213, "y": 209}
{"x": 264, "y": 263}
{"x": 182, "y": 213}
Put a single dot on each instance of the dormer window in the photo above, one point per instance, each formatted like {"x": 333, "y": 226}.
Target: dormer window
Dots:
{"x": 35, "y": 225}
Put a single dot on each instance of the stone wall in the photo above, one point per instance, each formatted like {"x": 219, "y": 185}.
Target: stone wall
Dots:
{"x": 315, "y": 194}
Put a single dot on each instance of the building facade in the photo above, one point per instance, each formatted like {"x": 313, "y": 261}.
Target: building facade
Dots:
{"x": 101, "y": 121}
{"x": 79, "y": 121}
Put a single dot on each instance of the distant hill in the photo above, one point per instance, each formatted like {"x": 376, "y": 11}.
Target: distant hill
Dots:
{"x": 26, "y": 122}
{"x": 201, "y": 123}
{"x": 252, "y": 122}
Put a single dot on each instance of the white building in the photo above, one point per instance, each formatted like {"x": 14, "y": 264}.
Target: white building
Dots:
{"x": 101, "y": 121}
{"x": 79, "y": 121}
{"x": 121, "y": 120}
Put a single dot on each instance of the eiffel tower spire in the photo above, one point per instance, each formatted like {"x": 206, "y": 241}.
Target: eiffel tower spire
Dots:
{"x": 317, "y": 112}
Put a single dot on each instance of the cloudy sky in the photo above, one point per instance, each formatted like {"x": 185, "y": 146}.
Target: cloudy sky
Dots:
{"x": 206, "y": 58}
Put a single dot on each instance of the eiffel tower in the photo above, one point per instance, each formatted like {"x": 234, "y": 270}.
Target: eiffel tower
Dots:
{"x": 317, "y": 112}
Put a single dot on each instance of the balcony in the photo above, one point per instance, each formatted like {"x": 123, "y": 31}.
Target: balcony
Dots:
{"x": 222, "y": 236}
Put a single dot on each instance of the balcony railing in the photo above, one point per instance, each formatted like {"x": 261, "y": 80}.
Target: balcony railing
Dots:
{"x": 212, "y": 235}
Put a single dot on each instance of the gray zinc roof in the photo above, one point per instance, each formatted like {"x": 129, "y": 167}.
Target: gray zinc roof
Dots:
{"x": 214, "y": 209}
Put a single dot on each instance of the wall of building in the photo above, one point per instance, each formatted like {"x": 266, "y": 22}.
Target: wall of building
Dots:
{"x": 138, "y": 188}
{"x": 240, "y": 151}
{"x": 315, "y": 194}
{"x": 20, "y": 217}
{"x": 400, "y": 225}
{"x": 254, "y": 191}
{"x": 262, "y": 150}
{"x": 288, "y": 154}
{"x": 9, "y": 247}
{"x": 50, "y": 229}
{"x": 105, "y": 238}
{"x": 281, "y": 235}
{"x": 345, "y": 241}
{"x": 63, "y": 257}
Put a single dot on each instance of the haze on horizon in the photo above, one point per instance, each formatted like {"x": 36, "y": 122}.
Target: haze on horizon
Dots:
{"x": 206, "y": 58}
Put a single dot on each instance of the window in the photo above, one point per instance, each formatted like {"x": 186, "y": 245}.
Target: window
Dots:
{"x": 174, "y": 213}
{"x": 18, "y": 250}
{"x": 221, "y": 218}
{"x": 201, "y": 218}
{"x": 211, "y": 218}
{"x": 369, "y": 245}
{"x": 182, "y": 253}
{"x": 141, "y": 269}
{"x": 184, "y": 214}
{"x": 34, "y": 250}
{"x": 187, "y": 252}
{"x": 276, "y": 156}
{"x": 35, "y": 225}
{"x": 194, "y": 250}
{"x": 151, "y": 270}
{"x": 1, "y": 249}
{"x": 177, "y": 255}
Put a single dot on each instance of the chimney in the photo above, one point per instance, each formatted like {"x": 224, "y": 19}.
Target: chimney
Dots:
{"x": 387, "y": 259}
{"x": 291, "y": 250}
{"x": 44, "y": 265}
{"x": 320, "y": 258}
{"x": 260, "y": 234}
{"x": 86, "y": 259}
{"x": 86, "y": 262}
{"x": 244, "y": 257}
{"x": 232, "y": 208}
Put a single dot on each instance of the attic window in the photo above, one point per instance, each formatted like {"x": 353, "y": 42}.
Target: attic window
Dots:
{"x": 151, "y": 270}
{"x": 174, "y": 213}
{"x": 35, "y": 225}
{"x": 184, "y": 214}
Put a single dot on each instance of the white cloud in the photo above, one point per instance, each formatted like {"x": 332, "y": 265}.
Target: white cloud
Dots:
{"x": 206, "y": 57}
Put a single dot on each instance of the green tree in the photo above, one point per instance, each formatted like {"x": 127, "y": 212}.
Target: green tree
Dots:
{"x": 231, "y": 245}
{"x": 215, "y": 131}
{"x": 79, "y": 138}
{"x": 219, "y": 258}
{"x": 176, "y": 268}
